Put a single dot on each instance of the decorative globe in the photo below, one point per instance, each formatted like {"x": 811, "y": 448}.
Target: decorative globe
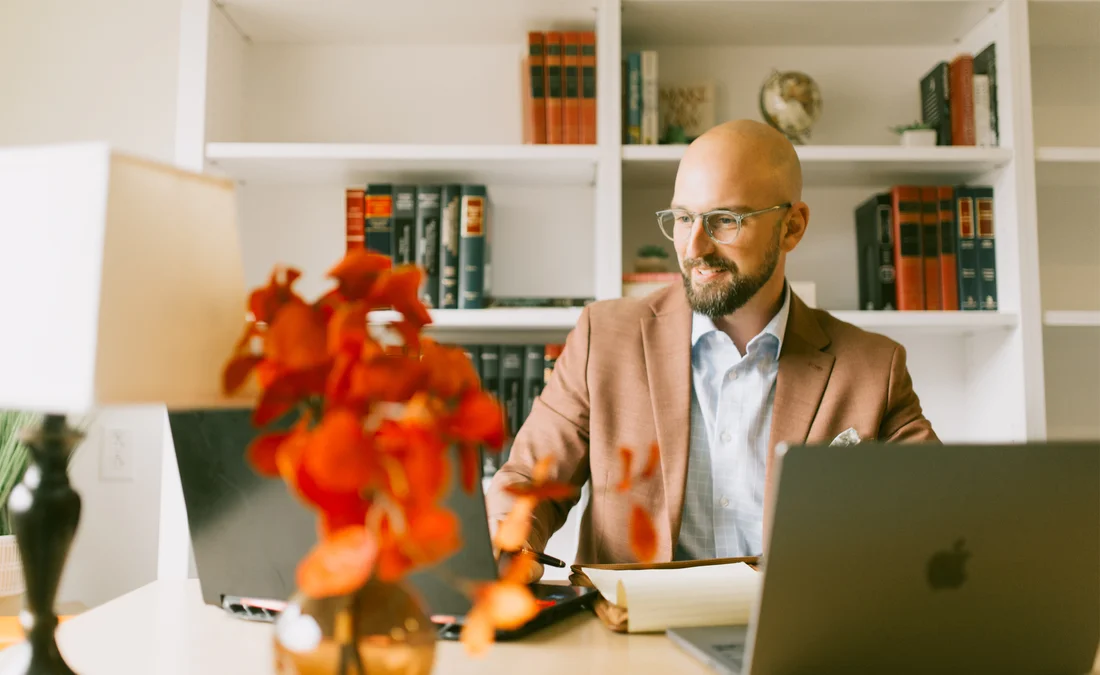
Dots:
{"x": 790, "y": 101}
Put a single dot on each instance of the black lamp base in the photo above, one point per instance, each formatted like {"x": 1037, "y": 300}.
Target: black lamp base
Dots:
{"x": 45, "y": 511}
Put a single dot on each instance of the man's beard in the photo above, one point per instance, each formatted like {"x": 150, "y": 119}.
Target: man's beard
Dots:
{"x": 716, "y": 299}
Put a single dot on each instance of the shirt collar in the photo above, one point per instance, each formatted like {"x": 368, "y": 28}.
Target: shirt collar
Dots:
{"x": 701, "y": 324}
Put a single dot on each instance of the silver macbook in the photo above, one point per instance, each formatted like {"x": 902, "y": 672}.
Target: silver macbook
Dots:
{"x": 908, "y": 558}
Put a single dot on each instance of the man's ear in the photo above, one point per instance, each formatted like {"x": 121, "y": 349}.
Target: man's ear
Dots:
{"x": 795, "y": 227}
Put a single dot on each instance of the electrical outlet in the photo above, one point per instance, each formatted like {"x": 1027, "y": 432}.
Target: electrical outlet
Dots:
{"x": 116, "y": 457}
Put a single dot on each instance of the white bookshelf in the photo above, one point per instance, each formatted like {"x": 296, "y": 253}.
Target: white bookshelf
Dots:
{"x": 299, "y": 99}
{"x": 1065, "y": 106}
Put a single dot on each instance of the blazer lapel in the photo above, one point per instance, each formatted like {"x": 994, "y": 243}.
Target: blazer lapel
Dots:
{"x": 666, "y": 340}
{"x": 804, "y": 371}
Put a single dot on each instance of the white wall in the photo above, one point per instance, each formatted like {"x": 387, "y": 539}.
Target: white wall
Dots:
{"x": 81, "y": 70}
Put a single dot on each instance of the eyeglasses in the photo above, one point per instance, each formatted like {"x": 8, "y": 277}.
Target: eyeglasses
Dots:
{"x": 721, "y": 226}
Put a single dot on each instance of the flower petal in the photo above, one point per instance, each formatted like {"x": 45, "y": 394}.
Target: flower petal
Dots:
{"x": 478, "y": 633}
{"x": 513, "y": 531}
{"x": 339, "y": 457}
{"x": 357, "y": 273}
{"x": 263, "y": 450}
{"x": 297, "y": 338}
{"x": 478, "y": 418}
{"x": 544, "y": 491}
{"x": 654, "y": 461}
{"x": 627, "y": 455}
{"x": 510, "y": 605}
{"x": 643, "y": 536}
{"x": 339, "y": 564}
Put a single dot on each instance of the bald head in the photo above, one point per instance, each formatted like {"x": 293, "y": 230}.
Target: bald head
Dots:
{"x": 745, "y": 151}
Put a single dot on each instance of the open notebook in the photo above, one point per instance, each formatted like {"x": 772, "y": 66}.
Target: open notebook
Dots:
{"x": 674, "y": 597}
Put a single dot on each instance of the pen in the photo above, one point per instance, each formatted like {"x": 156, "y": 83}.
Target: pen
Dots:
{"x": 541, "y": 557}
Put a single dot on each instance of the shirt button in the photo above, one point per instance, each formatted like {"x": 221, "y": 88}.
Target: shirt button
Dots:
{"x": 732, "y": 375}
{"x": 724, "y": 502}
{"x": 725, "y": 437}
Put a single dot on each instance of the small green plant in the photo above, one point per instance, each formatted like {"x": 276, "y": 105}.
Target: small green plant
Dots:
{"x": 14, "y": 456}
{"x": 912, "y": 126}
{"x": 652, "y": 251}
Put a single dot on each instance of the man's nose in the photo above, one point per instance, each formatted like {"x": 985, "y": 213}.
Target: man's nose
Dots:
{"x": 699, "y": 242}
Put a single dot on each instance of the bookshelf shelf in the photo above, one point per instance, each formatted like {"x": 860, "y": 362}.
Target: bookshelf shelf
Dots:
{"x": 860, "y": 23}
{"x": 840, "y": 165}
{"x": 1072, "y": 318}
{"x": 955, "y": 323}
{"x": 356, "y": 163}
{"x": 1068, "y": 166}
{"x": 497, "y": 319}
{"x": 476, "y": 22}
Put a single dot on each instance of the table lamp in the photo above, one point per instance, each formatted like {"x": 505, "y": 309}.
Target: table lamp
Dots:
{"x": 122, "y": 284}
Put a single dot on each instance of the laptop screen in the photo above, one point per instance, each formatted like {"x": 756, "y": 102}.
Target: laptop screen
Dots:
{"x": 249, "y": 532}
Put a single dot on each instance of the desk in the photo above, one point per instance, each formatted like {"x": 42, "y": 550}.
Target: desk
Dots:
{"x": 165, "y": 629}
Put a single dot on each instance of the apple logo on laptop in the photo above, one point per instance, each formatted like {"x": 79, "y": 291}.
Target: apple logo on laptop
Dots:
{"x": 947, "y": 569}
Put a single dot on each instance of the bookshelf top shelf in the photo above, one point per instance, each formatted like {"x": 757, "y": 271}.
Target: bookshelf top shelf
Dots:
{"x": 841, "y": 164}
{"x": 356, "y": 163}
{"x": 895, "y": 23}
{"x": 434, "y": 22}
{"x": 1071, "y": 318}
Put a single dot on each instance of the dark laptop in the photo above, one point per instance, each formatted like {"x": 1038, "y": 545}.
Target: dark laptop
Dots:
{"x": 248, "y": 532}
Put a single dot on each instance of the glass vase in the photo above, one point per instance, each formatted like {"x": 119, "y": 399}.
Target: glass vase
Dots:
{"x": 379, "y": 629}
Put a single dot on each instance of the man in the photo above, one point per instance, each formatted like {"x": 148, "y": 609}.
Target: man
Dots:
{"x": 716, "y": 371}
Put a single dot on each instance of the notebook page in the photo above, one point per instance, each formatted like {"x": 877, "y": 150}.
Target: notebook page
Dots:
{"x": 657, "y": 599}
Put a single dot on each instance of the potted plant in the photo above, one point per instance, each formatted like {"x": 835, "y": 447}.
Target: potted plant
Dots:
{"x": 14, "y": 460}
{"x": 916, "y": 134}
{"x": 651, "y": 258}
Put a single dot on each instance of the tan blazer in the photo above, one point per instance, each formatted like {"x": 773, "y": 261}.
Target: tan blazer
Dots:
{"x": 624, "y": 379}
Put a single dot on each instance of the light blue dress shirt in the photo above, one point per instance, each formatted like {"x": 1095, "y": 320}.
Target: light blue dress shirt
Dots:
{"x": 731, "y": 411}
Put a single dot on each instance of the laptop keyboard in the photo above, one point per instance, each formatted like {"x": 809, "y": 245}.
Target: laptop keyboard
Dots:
{"x": 252, "y": 610}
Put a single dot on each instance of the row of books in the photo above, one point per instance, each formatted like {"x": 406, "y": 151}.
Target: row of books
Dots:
{"x": 441, "y": 228}
{"x": 559, "y": 88}
{"x": 516, "y": 373}
{"x": 927, "y": 247}
{"x": 662, "y": 113}
{"x": 959, "y": 99}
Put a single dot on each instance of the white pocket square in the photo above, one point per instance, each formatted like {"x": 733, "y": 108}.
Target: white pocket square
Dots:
{"x": 847, "y": 437}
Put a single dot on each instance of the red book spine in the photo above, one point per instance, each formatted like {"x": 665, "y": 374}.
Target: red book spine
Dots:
{"x": 908, "y": 263}
{"x": 930, "y": 247}
{"x": 949, "y": 271}
{"x": 356, "y": 218}
{"x": 961, "y": 81}
{"x": 571, "y": 100}
{"x": 588, "y": 88}
{"x": 554, "y": 100}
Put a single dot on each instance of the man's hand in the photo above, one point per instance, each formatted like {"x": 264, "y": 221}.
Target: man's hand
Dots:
{"x": 534, "y": 569}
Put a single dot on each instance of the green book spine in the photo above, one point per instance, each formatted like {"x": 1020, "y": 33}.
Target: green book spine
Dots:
{"x": 378, "y": 208}
{"x": 451, "y": 199}
{"x": 427, "y": 241}
{"x": 472, "y": 247}
{"x": 510, "y": 389}
{"x": 490, "y": 379}
{"x": 404, "y": 224}
{"x": 534, "y": 357}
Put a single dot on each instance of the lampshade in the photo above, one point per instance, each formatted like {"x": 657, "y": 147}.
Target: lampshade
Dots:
{"x": 121, "y": 280}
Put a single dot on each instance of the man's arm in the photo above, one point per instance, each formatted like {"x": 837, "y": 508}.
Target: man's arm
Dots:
{"x": 556, "y": 426}
{"x": 904, "y": 420}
